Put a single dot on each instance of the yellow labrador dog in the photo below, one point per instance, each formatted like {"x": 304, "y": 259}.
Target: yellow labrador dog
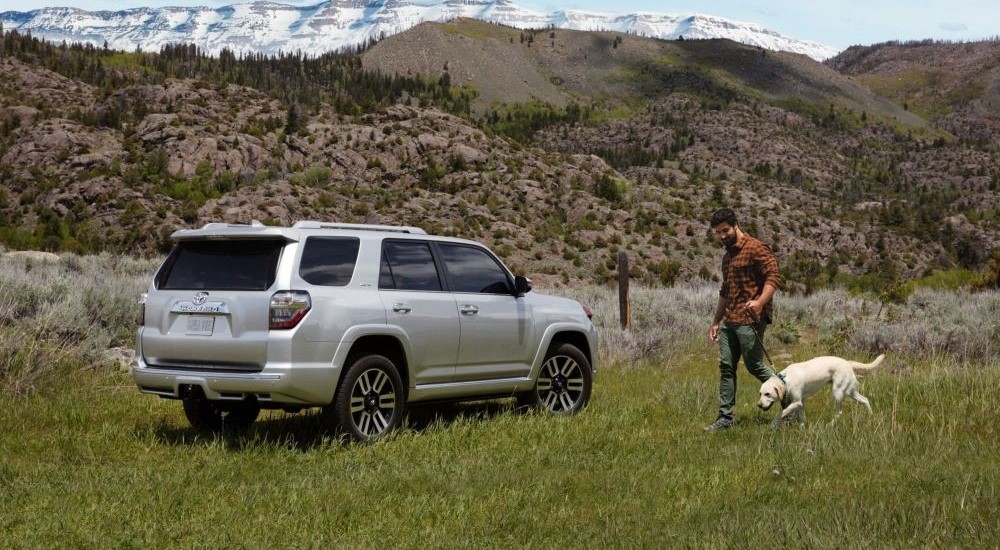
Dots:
{"x": 792, "y": 386}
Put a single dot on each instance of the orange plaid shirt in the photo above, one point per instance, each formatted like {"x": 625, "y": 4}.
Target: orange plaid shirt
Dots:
{"x": 746, "y": 267}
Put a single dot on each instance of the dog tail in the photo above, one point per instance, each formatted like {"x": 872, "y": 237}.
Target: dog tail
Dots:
{"x": 865, "y": 367}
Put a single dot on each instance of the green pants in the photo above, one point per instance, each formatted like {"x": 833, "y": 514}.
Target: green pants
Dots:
{"x": 737, "y": 341}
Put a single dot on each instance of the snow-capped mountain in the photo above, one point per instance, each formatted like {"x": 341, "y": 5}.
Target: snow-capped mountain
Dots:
{"x": 270, "y": 28}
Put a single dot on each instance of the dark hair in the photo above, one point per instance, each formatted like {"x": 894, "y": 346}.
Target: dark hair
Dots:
{"x": 724, "y": 215}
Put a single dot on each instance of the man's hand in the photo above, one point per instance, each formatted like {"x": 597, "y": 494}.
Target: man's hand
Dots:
{"x": 713, "y": 333}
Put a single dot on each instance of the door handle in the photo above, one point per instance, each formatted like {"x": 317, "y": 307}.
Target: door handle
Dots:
{"x": 401, "y": 308}
{"x": 468, "y": 310}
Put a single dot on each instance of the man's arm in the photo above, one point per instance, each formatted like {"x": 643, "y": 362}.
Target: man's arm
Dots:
{"x": 757, "y": 304}
{"x": 772, "y": 280}
{"x": 720, "y": 312}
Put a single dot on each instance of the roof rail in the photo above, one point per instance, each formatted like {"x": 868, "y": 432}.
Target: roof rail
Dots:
{"x": 311, "y": 224}
{"x": 221, "y": 225}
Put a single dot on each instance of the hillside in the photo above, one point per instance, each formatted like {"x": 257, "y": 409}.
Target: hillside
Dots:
{"x": 558, "y": 66}
{"x": 956, "y": 85}
{"x": 628, "y": 144}
{"x": 819, "y": 151}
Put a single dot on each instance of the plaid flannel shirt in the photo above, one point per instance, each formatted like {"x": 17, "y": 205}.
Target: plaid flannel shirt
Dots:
{"x": 746, "y": 267}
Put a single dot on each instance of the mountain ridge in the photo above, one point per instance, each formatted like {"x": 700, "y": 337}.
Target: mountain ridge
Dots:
{"x": 270, "y": 27}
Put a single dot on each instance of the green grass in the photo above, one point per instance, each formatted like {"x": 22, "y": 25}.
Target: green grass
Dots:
{"x": 480, "y": 31}
{"x": 949, "y": 279}
{"x": 95, "y": 464}
{"x": 88, "y": 462}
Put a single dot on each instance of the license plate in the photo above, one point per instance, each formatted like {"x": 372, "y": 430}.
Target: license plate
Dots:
{"x": 201, "y": 325}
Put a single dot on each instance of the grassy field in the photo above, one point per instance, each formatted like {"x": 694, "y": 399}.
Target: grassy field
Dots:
{"x": 88, "y": 462}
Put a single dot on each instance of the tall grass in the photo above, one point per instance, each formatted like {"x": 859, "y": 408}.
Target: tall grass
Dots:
{"x": 58, "y": 316}
{"x": 957, "y": 325}
{"x": 86, "y": 461}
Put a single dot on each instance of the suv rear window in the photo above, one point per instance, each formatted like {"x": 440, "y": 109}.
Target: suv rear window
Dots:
{"x": 329, "y": 261}
{"x": 221, "y": 265}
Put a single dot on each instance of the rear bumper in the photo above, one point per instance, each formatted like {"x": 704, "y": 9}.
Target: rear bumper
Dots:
{"x": 302, "y": 385}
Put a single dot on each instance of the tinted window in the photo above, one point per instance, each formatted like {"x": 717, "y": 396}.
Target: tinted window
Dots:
{"x": 408, "y": 265}
{"x": 473, "y": 269}
{"x": 221, "y": 265}
{"x": 329, "y": 261}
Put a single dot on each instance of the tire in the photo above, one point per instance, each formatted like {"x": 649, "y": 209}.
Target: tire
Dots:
{"x": 564, "y": 381}
{"x": 369, "y": 401}
{"x": 215, "y": 416}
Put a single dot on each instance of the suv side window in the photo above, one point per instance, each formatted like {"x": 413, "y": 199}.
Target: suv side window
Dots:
{"x": 408, "y": 265}
{"x": 329, "y": 261}
{"x": 472, "y": 269}
{"x": 221, "y": 265}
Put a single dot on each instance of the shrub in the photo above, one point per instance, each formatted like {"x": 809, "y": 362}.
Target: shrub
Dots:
{"x": 56, "y": 317}
{"x": 317, "y": 175}
{"x": 989, "y": 278}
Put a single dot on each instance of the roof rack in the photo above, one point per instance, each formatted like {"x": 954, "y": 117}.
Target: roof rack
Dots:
{"x": 310, "y": 224}
{"x": 222, "y": 225}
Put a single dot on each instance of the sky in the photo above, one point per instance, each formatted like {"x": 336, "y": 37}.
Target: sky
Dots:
{"x": 835, "y": 23}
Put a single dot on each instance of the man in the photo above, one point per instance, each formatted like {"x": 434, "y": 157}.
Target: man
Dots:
{"x": 750, "y": 278}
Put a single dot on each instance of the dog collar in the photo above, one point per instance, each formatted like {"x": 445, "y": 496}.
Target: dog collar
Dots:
{"x": 780, "y": 376}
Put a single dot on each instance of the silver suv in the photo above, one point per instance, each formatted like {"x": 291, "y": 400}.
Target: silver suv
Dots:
{"x": 358, "y": 319}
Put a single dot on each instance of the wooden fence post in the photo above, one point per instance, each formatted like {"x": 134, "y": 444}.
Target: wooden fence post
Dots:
{"x": 624, "y": 307}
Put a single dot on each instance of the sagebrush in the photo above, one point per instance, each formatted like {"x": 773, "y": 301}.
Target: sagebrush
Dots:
{"x": 60, "y": 313}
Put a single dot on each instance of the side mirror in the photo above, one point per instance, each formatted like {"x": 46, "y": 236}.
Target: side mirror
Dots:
{"x": 522, "y": 285}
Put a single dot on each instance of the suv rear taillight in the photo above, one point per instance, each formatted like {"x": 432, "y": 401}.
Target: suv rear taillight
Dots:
{"x": 288, "y": 307}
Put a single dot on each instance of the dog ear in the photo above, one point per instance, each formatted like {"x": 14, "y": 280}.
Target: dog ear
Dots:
{"x": 780, "y": 389}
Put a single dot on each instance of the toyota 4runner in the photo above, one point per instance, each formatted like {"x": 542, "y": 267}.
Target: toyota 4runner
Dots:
{"x": 358, "y": 319}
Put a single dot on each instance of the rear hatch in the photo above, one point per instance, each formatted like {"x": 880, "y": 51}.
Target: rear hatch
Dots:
{"x": 209, "y": 305}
